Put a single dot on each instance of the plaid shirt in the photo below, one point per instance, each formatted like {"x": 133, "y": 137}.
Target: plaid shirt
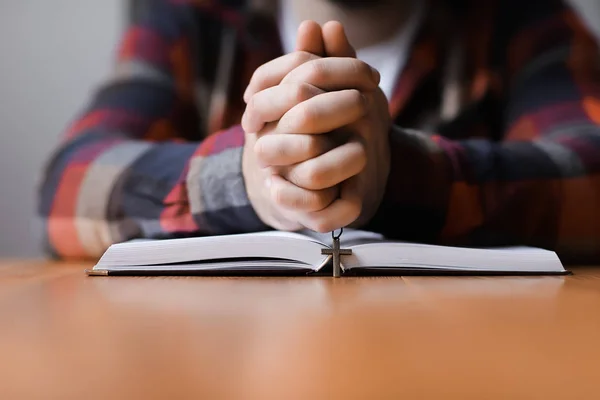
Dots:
{"x": 496, "y": 138}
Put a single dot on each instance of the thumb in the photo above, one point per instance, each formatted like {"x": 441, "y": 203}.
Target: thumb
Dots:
{"x": 336, "y": 42}
{"x": 310, "y": 38}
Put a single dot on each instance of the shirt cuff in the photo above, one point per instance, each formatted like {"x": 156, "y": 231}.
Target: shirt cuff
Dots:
{"x": 216, "y": 187}
{"x": 417, "y": 191}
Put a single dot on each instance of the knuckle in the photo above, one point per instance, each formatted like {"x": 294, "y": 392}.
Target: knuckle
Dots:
{"x": 362, "y": 157}
{"x": 309, "y": 146}
{"x": 302, "y": 92}
{"x": 321, "y": 225}
{"x": 300, "y": 57}
{"x": 297, "y": 59}
{"x": 270, "y": 150}
{"x": 317, "y": 71}
{"x": 278, "y": 153}
{"x": 251, "y": 107}
{"x": 363, "y": 128}
{"x": 359, "y": 156}
{"x": 277, "y": 195}
{"x": 312, "y": 177}
{"x": 355, "y": 209}
{"x": 317, "y": 145}
{"x": 305, "y": 201}
{"x": 295, "y": 177}
{"x": 259, "y": 74}
{"x": 304, "y": 118}
{"x": 319, "y": 201}
{"x": 363, "y": 69}
{"x": 309, "y": 201}
{"x": 358, "y": 100}
{"x": 260, "y": 148}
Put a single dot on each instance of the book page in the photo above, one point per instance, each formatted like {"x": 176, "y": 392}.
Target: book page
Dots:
{"x": 276, "y": 234}
{"x": 415, "y": 256}
{"x": 218, "y": 249}
{"x": 302, "y": 235}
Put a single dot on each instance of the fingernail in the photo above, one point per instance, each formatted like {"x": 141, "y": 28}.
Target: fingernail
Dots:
{"x": 376, "y": 75}
{"x": 268, "y": 182}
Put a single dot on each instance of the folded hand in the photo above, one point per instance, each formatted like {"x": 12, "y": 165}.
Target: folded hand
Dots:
{"x": 317, "y": 153}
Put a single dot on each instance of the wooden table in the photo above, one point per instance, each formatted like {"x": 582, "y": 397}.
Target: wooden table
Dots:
{"x": 68, "y": 336}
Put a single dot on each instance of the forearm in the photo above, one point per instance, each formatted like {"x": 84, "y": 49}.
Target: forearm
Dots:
{"x": 103, "y": 189}
{"x": 482, "y": 193}
{"x": 540, "y": 185}
{"x": 418, "y": 185}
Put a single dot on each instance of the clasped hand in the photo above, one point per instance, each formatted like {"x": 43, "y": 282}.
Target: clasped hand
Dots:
{"x": 316, "y": 154}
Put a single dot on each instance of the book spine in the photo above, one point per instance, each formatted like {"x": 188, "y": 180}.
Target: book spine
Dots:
{"x": 96, "y": 272}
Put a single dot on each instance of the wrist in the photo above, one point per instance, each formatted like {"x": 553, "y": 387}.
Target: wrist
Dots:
{"x": 251, "y": 181}
{"x": 259, "y": 194}
{"x": 224, "y": 200}
{"x": 417, "y": 188}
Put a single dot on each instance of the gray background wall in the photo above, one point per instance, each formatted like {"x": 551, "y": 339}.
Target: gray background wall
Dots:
{"x": 590, "y": 11}
{"x": 52, "y": 54}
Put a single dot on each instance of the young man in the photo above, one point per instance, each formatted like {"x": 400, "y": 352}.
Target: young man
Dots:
{"x": 447, "y": 122}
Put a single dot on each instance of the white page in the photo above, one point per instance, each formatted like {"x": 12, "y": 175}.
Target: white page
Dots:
{"x": 268, "y": 246}
{"x": 422, "y": 256}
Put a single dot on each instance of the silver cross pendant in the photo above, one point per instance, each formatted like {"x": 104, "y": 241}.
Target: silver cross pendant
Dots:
{"x": 336, "y": 252}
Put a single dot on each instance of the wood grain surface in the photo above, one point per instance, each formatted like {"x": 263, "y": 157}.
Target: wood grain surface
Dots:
{"x": 64, "y": 335}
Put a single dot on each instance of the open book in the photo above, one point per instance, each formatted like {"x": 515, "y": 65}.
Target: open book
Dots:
{"x": 300, "y": 253}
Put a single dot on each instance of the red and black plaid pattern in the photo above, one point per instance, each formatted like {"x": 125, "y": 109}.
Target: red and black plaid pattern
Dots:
{"x": 496, "y": 138}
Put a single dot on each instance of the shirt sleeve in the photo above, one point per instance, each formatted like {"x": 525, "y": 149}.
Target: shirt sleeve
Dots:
{"x": 540, "y": 184}
{"x": 125, "y": 169}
